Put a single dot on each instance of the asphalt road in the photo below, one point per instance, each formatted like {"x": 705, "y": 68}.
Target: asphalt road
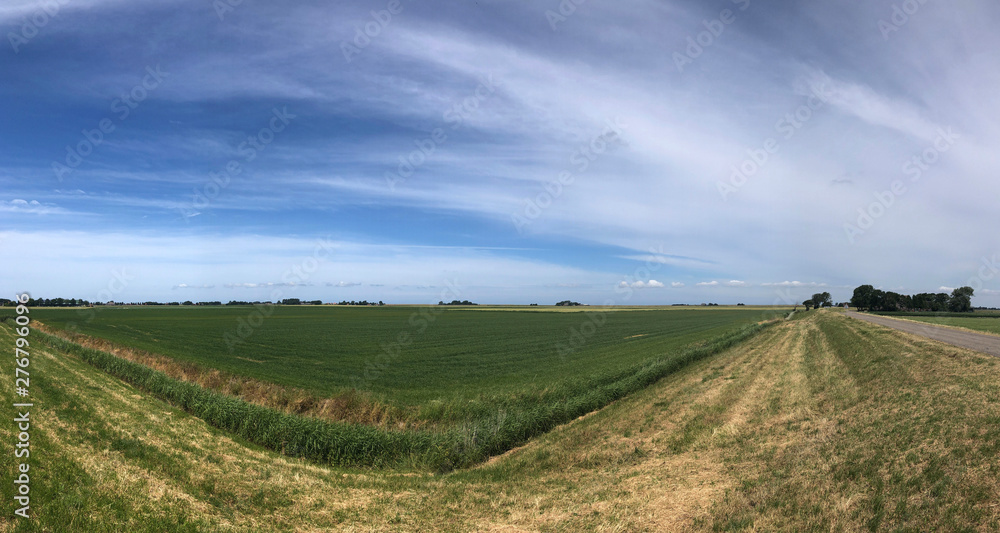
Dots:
{"x": 989, "y": 344}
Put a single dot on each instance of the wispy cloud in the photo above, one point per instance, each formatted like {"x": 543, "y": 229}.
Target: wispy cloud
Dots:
{"x": 160, "y": 188}
{"x": 33, "y": 207}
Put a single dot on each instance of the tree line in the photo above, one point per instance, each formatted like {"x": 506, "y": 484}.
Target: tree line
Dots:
{"x": 74, "y": 302}
{"x": 868, "y": 298}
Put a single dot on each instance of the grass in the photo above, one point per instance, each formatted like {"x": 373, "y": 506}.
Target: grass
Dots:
{"x": 818, "y": 423}
{"x": 978, "y": 313}
{"x": 982, "y": 324}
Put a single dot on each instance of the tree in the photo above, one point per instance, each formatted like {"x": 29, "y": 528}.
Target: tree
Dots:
{"x": 821, "y": 299}
{"x": 961, "y": 300}
{"x": 862, "y": 299}
{"x": 878, "y": 300}
{"x": 891, "y": 301}
{"x": 808, "y": 304}
{"x": 940, "y": 302}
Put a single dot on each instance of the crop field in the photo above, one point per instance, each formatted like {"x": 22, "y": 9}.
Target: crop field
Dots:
{"x": 815, "y": 424}
{"x": 406, "y": 356}
{"x": 463, "y": 387}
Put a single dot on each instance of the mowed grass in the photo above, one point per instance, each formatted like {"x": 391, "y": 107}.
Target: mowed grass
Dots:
{"x": 816, "y": 424}
{"x": 407, "y": 358}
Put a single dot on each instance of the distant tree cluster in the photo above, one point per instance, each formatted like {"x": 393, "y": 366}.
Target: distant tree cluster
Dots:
{"x": 362, "y": 302}
{"x": 868, "y": 298}
{"x": 457, "y": 302}
{"x": 568, "y": 303}
{"x": 47, "y": 302}
{"x": 711, "y": 305}
{"x": 296, "y": 301}
{"x": 820, "y": 299}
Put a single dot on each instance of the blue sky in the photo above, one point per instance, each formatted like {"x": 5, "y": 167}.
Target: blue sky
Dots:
{"x": 634, "y": 152}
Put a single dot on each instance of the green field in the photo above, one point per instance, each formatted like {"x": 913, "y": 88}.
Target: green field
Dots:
{"x": 455, "y": 356}
{"x": 983, "y": 323}
{"x": 978, "y": 313}
{"x": 389, "y": 386}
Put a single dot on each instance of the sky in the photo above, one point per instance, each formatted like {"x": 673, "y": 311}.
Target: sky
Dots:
{"x": 627, "y": 153}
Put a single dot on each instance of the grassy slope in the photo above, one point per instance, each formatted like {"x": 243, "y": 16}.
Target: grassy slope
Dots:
{"x": 817, "y": 424}
{"x": 463, "y": 355}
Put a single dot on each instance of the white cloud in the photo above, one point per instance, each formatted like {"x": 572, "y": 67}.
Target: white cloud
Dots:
{"x": 669, "y": 260}
{"x": 344, "y": 284}
{"x": 32, "y": 207}
{"x": 651, "y": 284}
{"x": 186, "y": 286}
{"x": 676, "y": 284}
{"x": 874, "y": 108}
{"x": 794, "y": 284}
{"x": 707, "y": 284}
{"x": 265, "y": 285}
{"x": 736, "y": 283}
